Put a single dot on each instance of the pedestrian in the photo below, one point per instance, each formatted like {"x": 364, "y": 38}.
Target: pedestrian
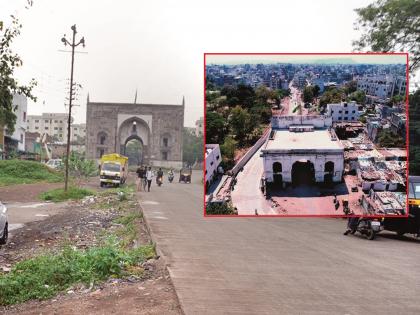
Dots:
{"x": 149, "y": 177}
{"x": 140, "y": 175}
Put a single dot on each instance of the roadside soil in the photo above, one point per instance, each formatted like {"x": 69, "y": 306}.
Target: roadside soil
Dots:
{"x": 25, "y": 192}
{"x": 79, "y": 224}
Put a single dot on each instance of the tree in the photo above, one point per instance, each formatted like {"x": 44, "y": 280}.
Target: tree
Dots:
{"x": 308, "y": 94}
{"x": 240, "y": 122}
{"x": 358, "y": 96}
{"x": 214, "y": 127}
{"x": 9, "y": 62}
{"x": 350, "y": 87}
{"x": 390, "y": 25}
{"x": 387, "y": 139}
{"x": 192, "y": 147}
{"x": 228, "y": 148}
{"x": 81, "y": 168}
{"x": 330, "y": 96}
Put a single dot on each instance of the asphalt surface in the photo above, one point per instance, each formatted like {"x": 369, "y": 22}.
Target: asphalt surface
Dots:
{"x": 277, "y": 265}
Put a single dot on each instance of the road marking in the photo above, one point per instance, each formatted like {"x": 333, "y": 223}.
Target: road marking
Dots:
{"x": 35, "y": 205}
{"x": 160, "y": 217}
{"x": 149, "y": 202}
{"x": 42, "y": 215}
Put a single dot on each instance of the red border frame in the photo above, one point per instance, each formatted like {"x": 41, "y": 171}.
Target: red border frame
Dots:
{"x": 309, "y": 215}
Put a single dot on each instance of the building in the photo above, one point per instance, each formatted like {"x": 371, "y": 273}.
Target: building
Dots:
{"x": 78, "y": 132}
{"x": 344, "y": 111}
{"x": 398, "y": 121}
{"x": 384, "y": 202}
{"x": 15, "y": 142}
{"x": 53, "y": 124}
{"x": 382, "y": 87}
{"x": 302, "y": 149}
{"x": 213, "y": 160}
{"x": 199, "y": 127}
{"x": 158, "y": 128}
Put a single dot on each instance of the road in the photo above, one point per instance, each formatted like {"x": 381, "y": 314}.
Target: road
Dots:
{"x": 277, "y": 265}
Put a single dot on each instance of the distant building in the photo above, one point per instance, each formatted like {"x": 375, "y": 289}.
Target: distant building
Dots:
{"x": 213, "y": 160}
{"x": 382, "y": 87}
{"x": 53, "y": 124}
{"x": 15, "y": 141}
{"x": 344, "y": 111}
{"x": 78, "y": 132}
{"x": 398, "y": 122}
{"x": 199, "y": 127}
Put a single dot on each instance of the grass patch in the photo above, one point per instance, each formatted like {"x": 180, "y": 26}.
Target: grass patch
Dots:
{"x": 129, "y": 230}
{"x": 73, "y": 193}
{"x": 44, "y": 276}
{"x": 14, "y": 172}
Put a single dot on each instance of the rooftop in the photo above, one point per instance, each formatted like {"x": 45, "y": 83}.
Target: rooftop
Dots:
{"x": 310, "y": 140}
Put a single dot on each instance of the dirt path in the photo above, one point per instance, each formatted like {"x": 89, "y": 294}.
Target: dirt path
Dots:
{"x": 25, "y": 192}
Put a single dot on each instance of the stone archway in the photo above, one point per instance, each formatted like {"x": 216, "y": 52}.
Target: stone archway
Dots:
{"x": 303, "y": 173}
{"x": 137, "y": 129}
{"x": 134, "y": 150}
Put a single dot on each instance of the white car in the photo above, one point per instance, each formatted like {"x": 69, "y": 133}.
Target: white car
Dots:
{"x": 4, "y": 225}
{"x": 54, "y": 163}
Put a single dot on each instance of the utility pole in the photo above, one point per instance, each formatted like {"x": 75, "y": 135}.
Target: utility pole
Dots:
{"x": 73, "y": 45}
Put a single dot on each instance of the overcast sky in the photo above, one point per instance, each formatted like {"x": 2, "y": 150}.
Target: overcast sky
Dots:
{"x": 157, "y": 46}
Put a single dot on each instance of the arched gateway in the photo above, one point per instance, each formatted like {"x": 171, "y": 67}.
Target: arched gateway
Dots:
{"x": 155, "y": 130}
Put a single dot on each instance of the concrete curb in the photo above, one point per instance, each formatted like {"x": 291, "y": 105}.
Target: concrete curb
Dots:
{"x": 159, "y": 252}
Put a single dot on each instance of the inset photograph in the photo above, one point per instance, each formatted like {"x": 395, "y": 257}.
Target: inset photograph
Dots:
{"x": 306, "y": 134}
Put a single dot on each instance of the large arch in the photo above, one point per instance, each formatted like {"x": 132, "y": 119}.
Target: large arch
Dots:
{"x": 134, "y": 128}
{"x": 303, "y": 173}
{"x": 134, "y": 150}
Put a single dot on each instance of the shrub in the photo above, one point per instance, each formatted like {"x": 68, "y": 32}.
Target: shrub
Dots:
{"x": 73, "y": 193}
{"x": 26, "y": 172}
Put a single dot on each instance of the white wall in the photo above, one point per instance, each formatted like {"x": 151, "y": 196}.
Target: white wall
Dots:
{"x": 318, "y": 121}
{"x": 343, "y": 111}
{"x": 213, "y": 160}
{"x": 21, "y": 125}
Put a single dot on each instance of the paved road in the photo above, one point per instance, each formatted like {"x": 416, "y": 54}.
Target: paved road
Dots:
{"x": 277, "y": 265}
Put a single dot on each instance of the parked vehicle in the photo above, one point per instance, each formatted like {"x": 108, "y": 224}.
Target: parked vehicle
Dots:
{"x": 54, "y": 163}
{"x": 113, "y": 169}
{"x": 4, "y": 225}
{"x": 185, "y": 175}
{"x": 410, "y": 224}
{"x": 365, "y": 226}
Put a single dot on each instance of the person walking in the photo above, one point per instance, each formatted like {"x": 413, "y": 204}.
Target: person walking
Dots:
{"x": 149, "y": 177}
{"x": 140, "y": 175}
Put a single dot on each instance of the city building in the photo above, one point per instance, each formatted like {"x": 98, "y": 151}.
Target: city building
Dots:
{"x": 53, "y": 124}
{"x": 213, "y": 160}
{"x": 384, "y": 202}
{"x": 15, "y": 142}
{"x": 199, "y": 127}
{"x": 302, "y": 149}
{"x": 78, "y": 133}
{"x": 381, "y": 87}
{"x": 398, "y": 121}
{"x": 344, "y": 111}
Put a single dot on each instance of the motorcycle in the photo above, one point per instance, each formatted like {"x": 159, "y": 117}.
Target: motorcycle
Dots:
{"x": 159, "y": 181}
{"x": 367, "y": 227}
{"x": 171, "y": 177}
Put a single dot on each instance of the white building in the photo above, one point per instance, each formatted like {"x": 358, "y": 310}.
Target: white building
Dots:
{"x": 199, "y": 127}
{"x": 302, "y": 149}
{"x": 382, "y": 87}
{"x": 16, "y": 140}
{"x": 344, "y": 111}
{"x": 213, "y": 160}
{"x": 55, "y": 125}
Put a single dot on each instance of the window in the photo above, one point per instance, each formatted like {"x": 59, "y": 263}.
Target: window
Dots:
{"x": 37, "y": 120}
{"x": 61, "y": 121}
{"x": 332, "y": 112}
{"x": 345, "y": 118}
{"x": 75, "y": 129}
{"x": 102, "y": 140}
{"x": 339, "y": 118}
{"x": 56, "y": 121}
{"x": 217, "y": 157}
{"x": 46, "y": 121}
{"x": 165, "y": 142}
{"x": 165, "y": 156}
{"x": 46, "y": 128}
{"x": 21, "y": 137}
{"x": 346, "y": 112}
{"x": 55, "y": 128}
{"x": 60, "y": 135}
{"x": 61, "y": 128}
{"x": 36, "y": 128}
{"x": 339, "y": 111}
{"x": 24, "y": 116}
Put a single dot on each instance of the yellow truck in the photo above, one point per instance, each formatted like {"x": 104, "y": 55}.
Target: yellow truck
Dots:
{"x": 113, "y": 169}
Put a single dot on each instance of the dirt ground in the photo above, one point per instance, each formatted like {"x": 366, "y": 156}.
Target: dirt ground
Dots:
{"x": 153, "y": 293}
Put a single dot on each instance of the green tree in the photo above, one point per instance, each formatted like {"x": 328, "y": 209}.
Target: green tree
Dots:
{"x": 215, "y": 126}
{"x": 387, "y": 139}
{"x": 192, "y": 147}
{"x": 390, "y": 25}
{"x": 333, "y": 95}
{"x": 81, "y": 168}
{"x": 358, "y": 96}
{"x": 228, "y": 148}
{"x": 350, "y": 87}
{"x": 308, "y": 94}
{"x": 240, "y": 122}
{"x": 9, "y": 62}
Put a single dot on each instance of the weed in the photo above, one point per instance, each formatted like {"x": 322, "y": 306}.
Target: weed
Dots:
{"x": 73, "y": 193}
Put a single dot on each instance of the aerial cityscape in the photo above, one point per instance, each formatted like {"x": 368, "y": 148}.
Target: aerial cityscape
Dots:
{"x": 324, "y": 137}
